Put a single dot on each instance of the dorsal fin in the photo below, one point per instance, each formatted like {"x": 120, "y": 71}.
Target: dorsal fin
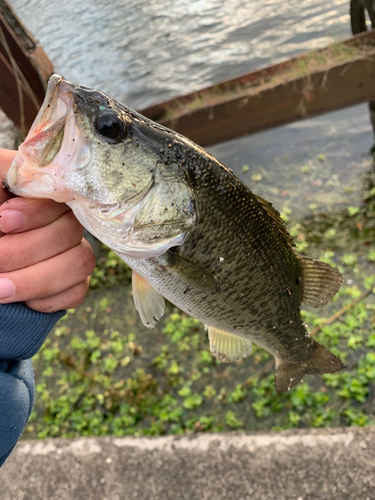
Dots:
{"x": 276, "y": 218}
{"x": 320, "y": 281}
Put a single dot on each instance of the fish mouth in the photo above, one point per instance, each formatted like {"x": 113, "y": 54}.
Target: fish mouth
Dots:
{"x": 39, "y": 167}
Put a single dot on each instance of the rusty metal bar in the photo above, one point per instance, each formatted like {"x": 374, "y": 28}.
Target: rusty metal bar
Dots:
{"x": 263, "y": 107}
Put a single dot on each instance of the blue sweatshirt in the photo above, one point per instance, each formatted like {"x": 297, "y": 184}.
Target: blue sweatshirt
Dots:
{"x": 22, "y": 332}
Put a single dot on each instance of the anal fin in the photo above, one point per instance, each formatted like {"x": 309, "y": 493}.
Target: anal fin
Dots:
{"x": 148, "y": 302}
{"x": 320, "y": 282}
{"x": 228, "y": 347}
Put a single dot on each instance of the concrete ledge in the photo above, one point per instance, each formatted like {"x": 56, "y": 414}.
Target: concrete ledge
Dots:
{"x": 315, "y": 464}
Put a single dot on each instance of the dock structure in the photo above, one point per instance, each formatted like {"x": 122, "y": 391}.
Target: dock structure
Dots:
{"x": 318, "y": 82}
{"x": 24, "y": 70}
{"x": 358, "y": 11}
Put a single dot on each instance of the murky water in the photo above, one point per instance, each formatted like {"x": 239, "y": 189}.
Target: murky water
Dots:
{"x": 316, "y": 163}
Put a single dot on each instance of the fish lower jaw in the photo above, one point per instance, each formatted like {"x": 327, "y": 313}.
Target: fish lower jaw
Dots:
{"x": 53, "y": 194}
{"x": 33, "y": 182}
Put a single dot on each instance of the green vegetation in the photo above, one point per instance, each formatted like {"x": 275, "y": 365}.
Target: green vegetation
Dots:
{"x": 102, "y": 372}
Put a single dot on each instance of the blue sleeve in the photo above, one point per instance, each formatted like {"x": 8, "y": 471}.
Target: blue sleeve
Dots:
{"x": 22, "y": 332}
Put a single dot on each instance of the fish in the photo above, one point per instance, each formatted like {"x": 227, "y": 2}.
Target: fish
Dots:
{"x": 189, "y": 229}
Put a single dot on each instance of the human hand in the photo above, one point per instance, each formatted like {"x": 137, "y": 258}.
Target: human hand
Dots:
{"x": 44, "y": 261}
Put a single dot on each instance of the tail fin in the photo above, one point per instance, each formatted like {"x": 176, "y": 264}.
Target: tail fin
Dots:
{"x": 290, "y": 374}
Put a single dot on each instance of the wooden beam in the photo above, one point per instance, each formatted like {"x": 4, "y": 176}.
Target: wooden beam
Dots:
{"x": 24, "y": 70}
{"x": 24, "y": 36}
{"x": 264, "y": 98}
{"x": 345, "y": 85}
{"x": 21, "y": 112}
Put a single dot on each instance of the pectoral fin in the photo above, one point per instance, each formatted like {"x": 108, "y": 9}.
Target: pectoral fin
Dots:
{"x": 189, "y": 272}
{"x": 148, "y": 302}
{"x": 228, "y": 347}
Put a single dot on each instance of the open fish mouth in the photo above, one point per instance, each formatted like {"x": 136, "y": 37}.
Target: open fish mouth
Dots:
{"x": 54, "y": 108}
{"x": 52, "y": 143}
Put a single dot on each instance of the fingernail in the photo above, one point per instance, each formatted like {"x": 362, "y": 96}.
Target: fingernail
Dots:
{"x": 7, "y": 288}
{"x": 11, "y": 220}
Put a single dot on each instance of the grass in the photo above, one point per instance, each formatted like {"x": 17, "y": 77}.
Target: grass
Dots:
{"x": 101, "y": 372}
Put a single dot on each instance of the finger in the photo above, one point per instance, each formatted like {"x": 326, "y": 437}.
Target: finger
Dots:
{"x": 6, "y": 158}
{"x": 18, "y": 251}
{"x": 67, "y": 299}
{"x": 22, "y": 214}
{"x": 49, "y": 277}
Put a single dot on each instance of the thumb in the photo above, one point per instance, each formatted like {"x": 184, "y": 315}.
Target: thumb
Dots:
{"x": 6, "y": 158}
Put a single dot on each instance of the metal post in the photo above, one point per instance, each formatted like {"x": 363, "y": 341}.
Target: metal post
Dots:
{"x": 358, "y": 10}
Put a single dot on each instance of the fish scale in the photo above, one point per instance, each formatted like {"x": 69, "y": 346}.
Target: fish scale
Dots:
{"x": 237, "y": 229}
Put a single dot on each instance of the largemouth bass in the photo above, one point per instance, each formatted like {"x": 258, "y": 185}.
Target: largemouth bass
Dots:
{"x": 189, "y": 229}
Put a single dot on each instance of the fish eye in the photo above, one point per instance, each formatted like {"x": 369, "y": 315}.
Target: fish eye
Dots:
{"x": 111, "y": 126}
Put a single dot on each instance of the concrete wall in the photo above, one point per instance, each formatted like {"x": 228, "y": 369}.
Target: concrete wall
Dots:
{"x": 293, "y": 465}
